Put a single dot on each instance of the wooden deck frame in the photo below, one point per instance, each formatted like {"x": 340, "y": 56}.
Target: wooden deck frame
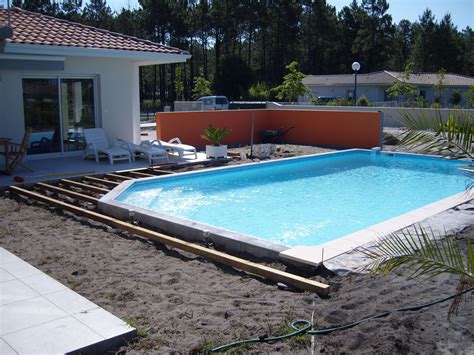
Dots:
{"x": 81, "y": 185}
{"x": 138, "y": 175}
{"x": 163, "y": 172}
{"x": 118, "y": 177}
{"x": 220, "y": 257}
{"x": 66, "y": 192}
{"x": 100, "y": 181}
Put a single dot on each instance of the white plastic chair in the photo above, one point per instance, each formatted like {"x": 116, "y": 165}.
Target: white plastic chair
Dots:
{"x": 97, "y": 144}
{"x": 146, "y": 149}
{"x": 176, "y": 145}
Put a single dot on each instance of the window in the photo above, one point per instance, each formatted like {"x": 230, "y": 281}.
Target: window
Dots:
{"x": 221, "y": 101}
{"x": 58, "y": 110}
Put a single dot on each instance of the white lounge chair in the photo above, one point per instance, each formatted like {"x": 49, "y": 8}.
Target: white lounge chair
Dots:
{"x": 176, "y": 146}
{"x": 96, "y": 143}
{"x": 146, "y": 149}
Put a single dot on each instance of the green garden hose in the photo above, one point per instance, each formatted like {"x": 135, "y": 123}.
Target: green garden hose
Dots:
{"x": 303, "y": 326}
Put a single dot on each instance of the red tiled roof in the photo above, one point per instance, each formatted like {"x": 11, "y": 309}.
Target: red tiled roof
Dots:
{"x": 33, "y": 28}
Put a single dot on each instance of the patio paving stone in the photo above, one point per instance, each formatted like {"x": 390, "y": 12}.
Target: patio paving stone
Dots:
{"x": 40, "y": 315}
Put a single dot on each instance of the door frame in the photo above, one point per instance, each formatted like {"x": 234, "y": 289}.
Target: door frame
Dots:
{"x": 58, "y": 78}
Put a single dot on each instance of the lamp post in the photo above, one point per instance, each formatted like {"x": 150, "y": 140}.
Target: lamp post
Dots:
{"x": 355, "y": 68}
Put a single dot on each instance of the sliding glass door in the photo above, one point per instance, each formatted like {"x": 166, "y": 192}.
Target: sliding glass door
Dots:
{"x": 58, "y": 110}
{"x": 41, "y": 106}
{"x": 77, "y": 111}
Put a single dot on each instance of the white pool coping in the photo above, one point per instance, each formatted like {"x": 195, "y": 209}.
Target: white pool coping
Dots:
{"x": 314, "y": 255}
{"x": 40, "y": 315}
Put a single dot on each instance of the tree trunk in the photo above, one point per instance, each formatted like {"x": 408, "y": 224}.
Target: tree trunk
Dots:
{"x": 172, "y": 82}
{"x": 250, "y": 48}
{"x": 154, "y": 83}
{"x": 162, "y": 86}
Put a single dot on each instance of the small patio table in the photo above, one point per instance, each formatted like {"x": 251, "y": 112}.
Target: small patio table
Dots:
{"x": 4, "y": 142}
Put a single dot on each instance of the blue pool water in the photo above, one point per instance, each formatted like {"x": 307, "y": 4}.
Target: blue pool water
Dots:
{"x": 304, "y": 201}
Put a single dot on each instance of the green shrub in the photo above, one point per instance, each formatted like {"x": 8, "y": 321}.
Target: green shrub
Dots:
{"x": 362, "y": 101}
{"x": 259, "y": 91}
{"x": 339, "y": 102}
{"x": 150, "y": 106}
{"x": 456, "y": 98}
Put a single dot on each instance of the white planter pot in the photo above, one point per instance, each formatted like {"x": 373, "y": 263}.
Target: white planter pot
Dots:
{"x": 213, "y": 151}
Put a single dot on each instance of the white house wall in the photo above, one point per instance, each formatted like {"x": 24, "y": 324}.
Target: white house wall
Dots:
{"x": 117, "y": 96}
{"x": 373, "y": 93}
{"x": 11, "y": 105}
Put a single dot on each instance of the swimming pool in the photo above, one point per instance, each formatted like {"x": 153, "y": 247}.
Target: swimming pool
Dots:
{"x": 304, "y": 201}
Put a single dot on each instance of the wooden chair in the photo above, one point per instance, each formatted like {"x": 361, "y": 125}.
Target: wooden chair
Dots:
{"x": 15, "y": 152}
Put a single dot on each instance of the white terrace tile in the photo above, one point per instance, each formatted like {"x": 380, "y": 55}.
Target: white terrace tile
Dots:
{"x": 104, "y": 323}
{"x": 385, "y": 228}
{"x": 27, "y": 313}
{"x": 442, "y": 205}
{"x": 7, "y": 257}
{"x": 6, "y": 349}
{"x": 310, "y": 254}
{"x": 70, "y": 301}
{"x": 14, "y": 291}
{"x": 20, "y": 269}
{"x": 363, "y": 237}
{"x": 43, "y": 284}
{"x": 56, "y": 337}
{"x": 5, "y": 275}
{"x": 342, "y": 244}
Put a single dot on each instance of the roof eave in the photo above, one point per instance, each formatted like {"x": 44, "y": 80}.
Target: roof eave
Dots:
{"x": 138, "y": 56}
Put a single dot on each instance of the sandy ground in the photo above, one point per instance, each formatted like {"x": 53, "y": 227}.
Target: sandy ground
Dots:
{"x": 180, "y": 302}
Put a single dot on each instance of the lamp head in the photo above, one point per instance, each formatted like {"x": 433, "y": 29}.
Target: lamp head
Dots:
{"x": 355, "y": 66}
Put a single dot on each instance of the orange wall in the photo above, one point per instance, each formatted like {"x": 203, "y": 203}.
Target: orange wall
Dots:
{"x": 327, "y": 128}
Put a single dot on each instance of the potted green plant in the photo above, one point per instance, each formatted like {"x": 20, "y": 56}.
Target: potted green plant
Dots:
{"x": 215, "y": 135}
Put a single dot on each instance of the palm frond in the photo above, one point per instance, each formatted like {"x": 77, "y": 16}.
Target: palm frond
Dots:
{"x": 461, "y": 288}
{"x": 469, "y": 172}
{"x": 423, "y": 255}
{"x": 431, "y": 134}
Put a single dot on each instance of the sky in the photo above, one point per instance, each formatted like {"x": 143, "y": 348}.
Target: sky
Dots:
{"x": 462, "y": 11}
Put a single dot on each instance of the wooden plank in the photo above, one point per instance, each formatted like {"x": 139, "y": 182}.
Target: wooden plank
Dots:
{"x": 67, "y": 192}
{"x": 223, "y": 258}
{"x": 118, "y": 177}
{"x": 163, "y": 172}
{"x": 92, "y": 188}
{"x": 100, "y": 181}
{"x": 139, "y": 174}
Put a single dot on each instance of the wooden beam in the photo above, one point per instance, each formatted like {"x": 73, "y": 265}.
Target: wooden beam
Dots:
{"x": 81, "y": 185}
{"x": 70, "y": 193}
{"x": 223, "y": 258}
{"x": 162, "y": 172}
{"x": 139, "y": 174}
{"x": 100, "y": 181}
{"x": 118, "y": 177}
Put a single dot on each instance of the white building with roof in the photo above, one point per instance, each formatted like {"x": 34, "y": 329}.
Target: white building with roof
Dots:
{"x": 59, "y": 77}
{"x": 374, "y": 85}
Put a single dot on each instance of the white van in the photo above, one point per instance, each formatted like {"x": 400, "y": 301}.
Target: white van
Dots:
{"x": 214, "y": 103}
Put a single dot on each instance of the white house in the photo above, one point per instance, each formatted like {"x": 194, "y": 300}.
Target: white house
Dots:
{"x": 60, "y": 77}
{"x": 374, "y": 85}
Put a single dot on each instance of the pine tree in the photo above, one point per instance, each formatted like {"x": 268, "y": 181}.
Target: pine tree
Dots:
{"x": 292, "y": 86}
{"x": 98, "y": 14}
{"x": 202, "y": 87}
